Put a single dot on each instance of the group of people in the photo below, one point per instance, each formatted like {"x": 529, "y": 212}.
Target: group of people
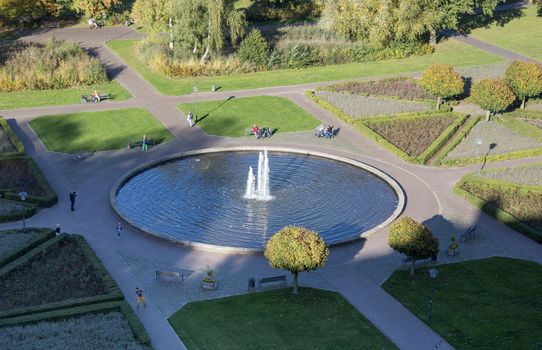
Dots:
{"x": 261, "y": 132}
{"x": 94, "y": 97}
{"x": 324, "y": 131}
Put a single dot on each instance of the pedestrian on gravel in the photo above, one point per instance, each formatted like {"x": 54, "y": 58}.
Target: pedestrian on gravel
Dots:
{"x": 140, "y": 297}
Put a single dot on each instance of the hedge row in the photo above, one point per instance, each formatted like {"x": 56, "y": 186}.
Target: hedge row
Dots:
{"x": 493, "y": 210}
{"x": 114, "y": 292}
{"x": 15, "y": 141}
{"x": 136, "y": 326}
{"x": 45, "y": 234}
{"x": 368, "y": 132}
{"x": 46, "y": 201}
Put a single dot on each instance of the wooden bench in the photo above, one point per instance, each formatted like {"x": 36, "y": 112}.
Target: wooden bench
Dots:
{"x": 170, "y": 276}
{"x": 471, "y": 232}
{"x": 149, "y": 143}
{"x": 408, "y": 259}
{"x": 273, "y": 280}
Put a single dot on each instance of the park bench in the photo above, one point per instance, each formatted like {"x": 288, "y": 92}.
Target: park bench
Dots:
{"x": 471, "y": 232}
{"x": 169, "y": 276}
{"x": 149, "y": 142}
{"x": 272, "y": 280}
{"x": 408, "y": 259}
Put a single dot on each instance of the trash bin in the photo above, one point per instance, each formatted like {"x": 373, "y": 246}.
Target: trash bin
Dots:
{"x": 251, "y": 284}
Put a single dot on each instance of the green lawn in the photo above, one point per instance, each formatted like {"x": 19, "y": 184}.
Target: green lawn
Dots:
{"x": 38, "y": 98}
{"x": 450, "y": 52}
{"x": 98, "y": 131}
{"x": 313, "y": 319}
{"x": 483, "y": 304}
{"x": 231, "y": 117}
{"x": 522, "y": 35}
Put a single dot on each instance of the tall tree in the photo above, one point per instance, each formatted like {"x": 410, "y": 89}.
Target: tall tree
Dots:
{"x": 525, "y": 78}
{"x": 94, "y": 8}
{"x": 296, "y": 249}
{"x": 153, "y": 14}
{"x": 202, "y": 26}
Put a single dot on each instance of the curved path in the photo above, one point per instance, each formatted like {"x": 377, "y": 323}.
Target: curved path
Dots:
{"x": 355, "y": 270}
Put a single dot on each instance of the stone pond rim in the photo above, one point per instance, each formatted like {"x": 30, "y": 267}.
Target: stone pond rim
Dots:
{"x": 392, "y": 183}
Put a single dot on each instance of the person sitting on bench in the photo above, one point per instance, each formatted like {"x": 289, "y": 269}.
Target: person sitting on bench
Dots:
{"x": 96, "y": 96}
{"x": 256, "y": 131}
{"x": 328, "y": 133}
{"x": 319, "y": 131}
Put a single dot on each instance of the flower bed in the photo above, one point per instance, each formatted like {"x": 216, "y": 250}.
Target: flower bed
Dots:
{"x": 9, "y": 142}
{"x": 91, "y": 331}
{"x": 504, "y": 139}
{"x": 530, "y": 175}
{"x": 14, "y": 240}
{"x": 58, "y": 272}
{"x": 413, "y": 135}
{"x": 16, "y": 175}
{"x": 405, "y": 88}
{"x": 359, "y": 106}
{"x": 518, "y": 206}
{"x": 5, "y": 144}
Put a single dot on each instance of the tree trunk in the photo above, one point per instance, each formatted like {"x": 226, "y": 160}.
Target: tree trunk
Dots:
{"x": 295, "y": 281}
{"x": 202, "y": 60}
{"x": 488, "y": 114}
{"x": 438, "y": 102}
{"x": 523, "y": 103}
{"x": 433, "y": 37}
{"x": 412, "y": 267}
{"x": 195, "y": 48}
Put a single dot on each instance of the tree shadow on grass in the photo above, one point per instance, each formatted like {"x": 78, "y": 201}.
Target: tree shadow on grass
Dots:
{"x": 470, "y": 22}
{"x": 214, "y": 109}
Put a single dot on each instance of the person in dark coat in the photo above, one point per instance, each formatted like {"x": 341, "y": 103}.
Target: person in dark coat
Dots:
{"x": 73, "y": 194}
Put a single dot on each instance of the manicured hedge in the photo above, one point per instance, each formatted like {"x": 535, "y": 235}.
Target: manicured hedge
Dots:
{"x": 45, "y": 234}
{"x": 492, "y": 209}
{"x": 113, "y": 293}
{"x": 46, "y": 201}
{"x": 15, "y": 141}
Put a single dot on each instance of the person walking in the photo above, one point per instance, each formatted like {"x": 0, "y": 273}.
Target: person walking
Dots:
{"x": 57, "y": 229}
{"x": 119, "y": 228}
{"x": 190, "y": 118}
{"x": 144, "y": 146}
{"x": 73, "y": 194}
{"x": 140, "y": 297}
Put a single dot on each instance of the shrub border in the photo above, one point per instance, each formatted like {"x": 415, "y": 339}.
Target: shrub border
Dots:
{"x": 13, "y": 138}
{"x": 46, "y": 201}
{"x": 45, "y": 234}
{"x": 114, "y": 292}
{"x": 359, "y": 124}
{"x": 137, "y": 328}
{"x": 494, "y": 211}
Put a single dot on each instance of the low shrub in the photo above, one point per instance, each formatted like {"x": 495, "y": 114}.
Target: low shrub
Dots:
{"x": 402, "y": 87}
{"x": 52, "y": 65}
{"x": 515, "y": 205}
{"x": 265, "y": 10}
{"x": 254, "y": 49}
{"x": 23, "y": 174}
{"x": 359, "y": 106}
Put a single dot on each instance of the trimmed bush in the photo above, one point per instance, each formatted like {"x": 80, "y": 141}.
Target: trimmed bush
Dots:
{"x": 442, "y": 81}
{"x": 12, "y": 138}
{"x": 254, "y": 49}
{"x": 52, "y": 65}
{"x": 525, "y": 78}
{"x": 493, "y": 95}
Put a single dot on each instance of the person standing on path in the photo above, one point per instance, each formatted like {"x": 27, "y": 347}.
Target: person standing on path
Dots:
{"x": 140, "y": 297}
{"x": 73, "y": 194}
{"x": 119, "y": 228}
{"x": 190, "y": 119}
{"x": 144, "y": 146}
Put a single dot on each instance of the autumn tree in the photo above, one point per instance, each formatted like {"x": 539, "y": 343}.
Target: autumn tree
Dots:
{"x": 296, "y": 249}
{"x": 494, "y": 95}
{"x": 525, "y": 79}
{"x": 201, "y": 27}
{"x": 412, "y": 239}
{"x": 94, "y": 8}
{"x": 11, "y": 10}
{"x": 442, "y": 81}
{"x": 153, "y": 14}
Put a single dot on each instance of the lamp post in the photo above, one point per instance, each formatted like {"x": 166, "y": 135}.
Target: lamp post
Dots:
{"x": 22, "y": 196}
{"x": 478, "y": 145}
{"x": 195, "y": 89}
{"x": 104, "y": 16}
{"x": 433, "y": 274}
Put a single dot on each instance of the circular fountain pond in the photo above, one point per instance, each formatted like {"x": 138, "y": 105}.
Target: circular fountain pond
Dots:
{"x": 212, "y": 199}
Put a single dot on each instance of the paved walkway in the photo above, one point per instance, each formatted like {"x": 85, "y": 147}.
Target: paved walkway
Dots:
{"x": 355, "y": 270}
